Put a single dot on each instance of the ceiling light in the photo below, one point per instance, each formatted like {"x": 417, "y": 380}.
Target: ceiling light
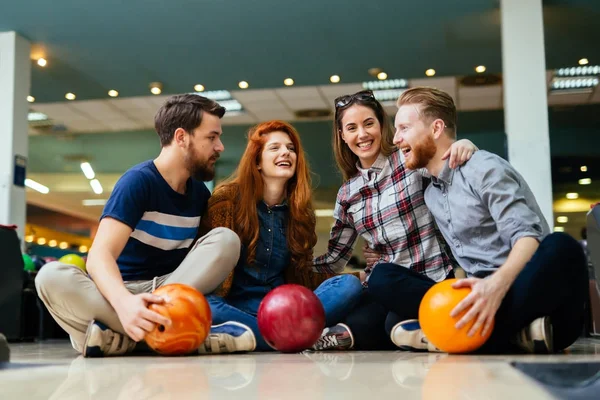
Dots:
{"x": 36, "y": 116}
{"x": 243, "y": 85}
{"x": 382, "y": 76}
{"x": 584, "y": 61}
{"x": 572, "y": 196}
{"x": 562, "y": 220}
{"x": 36, "y": 186}
{"x": 334, "y": 78}
{"x": 430, "y": 72}
{"x": 588, "y": 71}
{"x": 52, "y": 243}
{"x": 42, "y": 62}
{"x": 480, "y": 69}
{"x": 83, "y": 249}
{"x": 29, "y": 238}
{"x": 585, "y": 181}
{"x": 156, "y": 88}
{"x": 199, "y": 88}
{"x": 41, "y": 241}
{"x": 87, "y": 170}
{"x": 70, "y": 96}
{"x": 288, "y": 81}
{"x": 583, "y": 168}
{"x": 559, "y": 229}
{"x": 113, "y": 93}
{"x": 30, "y": 99}
{"x": 63, "y": 245}
{"x": 385, "y": 85}
{"x": 96, "y": 186}
{"x": 93, "y": 202}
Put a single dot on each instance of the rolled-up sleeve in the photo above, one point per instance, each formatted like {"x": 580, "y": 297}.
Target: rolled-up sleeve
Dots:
{"x": 509, "y": 202}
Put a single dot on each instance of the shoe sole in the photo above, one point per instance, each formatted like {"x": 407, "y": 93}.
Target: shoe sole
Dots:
{"x": 88, "y": 333}
{"x": 545, "y": 346}
{"x": 412, "y": 334}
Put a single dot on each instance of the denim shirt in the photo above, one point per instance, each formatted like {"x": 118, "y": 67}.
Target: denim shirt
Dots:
{"x": 251, "y": 282}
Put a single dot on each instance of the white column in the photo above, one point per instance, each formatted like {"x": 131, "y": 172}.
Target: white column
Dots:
{"x": 525, "y": 97}
{"x": 15, "y": 82}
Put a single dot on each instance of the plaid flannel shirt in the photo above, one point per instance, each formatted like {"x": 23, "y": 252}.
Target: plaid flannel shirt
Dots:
{"x": 385, "y": 205}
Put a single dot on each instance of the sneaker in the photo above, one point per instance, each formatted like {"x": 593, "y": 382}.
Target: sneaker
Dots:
{"x": 537, "y": 338}
{"x": 229, "y": 337}
{"x": 100, "y": 341}
{"x": 338, "y": 337}
{"x": 408, "y": 336}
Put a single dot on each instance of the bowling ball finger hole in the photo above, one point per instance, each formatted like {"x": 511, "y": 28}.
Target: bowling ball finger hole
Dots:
{"x": 161, "y": 328}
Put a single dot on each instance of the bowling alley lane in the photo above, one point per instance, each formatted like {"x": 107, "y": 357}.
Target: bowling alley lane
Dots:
{"x": 52, "y": 370}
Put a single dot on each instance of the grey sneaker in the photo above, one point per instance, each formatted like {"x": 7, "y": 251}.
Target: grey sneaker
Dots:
{"x": 537, "y": 338}
{"x": 100, "y": 341}
{"x": 338, "y": 337}
{"x": 228, "y": 337}
{"x": 409, "y": 336}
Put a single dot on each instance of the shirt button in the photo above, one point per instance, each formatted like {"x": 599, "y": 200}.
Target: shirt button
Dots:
{"x": 267, "y": 250}
{"x": 269, "y": 230}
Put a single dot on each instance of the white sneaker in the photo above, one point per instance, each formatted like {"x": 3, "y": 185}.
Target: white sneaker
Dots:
{"x": 537, "y": 338}
{"x": 228, "y": 337}
{"x": 100, "y": 341}
{"x": 409, "y": 336}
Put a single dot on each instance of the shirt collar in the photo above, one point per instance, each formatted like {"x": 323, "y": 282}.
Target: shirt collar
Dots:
{"x": 375, "y": 168}
{"x": 263, "y": 206}
{"x": 446, "y": 174}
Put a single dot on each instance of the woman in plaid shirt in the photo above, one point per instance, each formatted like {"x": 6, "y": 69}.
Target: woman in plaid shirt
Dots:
{"x": 383, "y": 202}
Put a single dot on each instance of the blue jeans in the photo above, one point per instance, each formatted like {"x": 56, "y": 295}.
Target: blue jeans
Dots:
{"x": 338, "y": 296}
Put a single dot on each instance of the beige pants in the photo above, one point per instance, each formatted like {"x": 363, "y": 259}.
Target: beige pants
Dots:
{"x": 73, "y": 299}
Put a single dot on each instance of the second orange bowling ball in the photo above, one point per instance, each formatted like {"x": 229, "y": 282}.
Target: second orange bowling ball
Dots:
{"x": 190, "y": 317}
{"x": 438, "y": 326}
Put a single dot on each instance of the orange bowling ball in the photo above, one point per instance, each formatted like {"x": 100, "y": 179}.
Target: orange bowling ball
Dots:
{"x": 190, "y": 317}
{"x": 438, "y": 326}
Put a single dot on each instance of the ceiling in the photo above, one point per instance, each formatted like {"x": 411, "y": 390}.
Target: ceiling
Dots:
{"x": 93, "y": 47}
{"x": 125, "y": 46}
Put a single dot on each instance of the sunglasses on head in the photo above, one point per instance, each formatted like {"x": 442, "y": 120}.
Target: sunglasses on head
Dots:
{"x": 343, "y": 101}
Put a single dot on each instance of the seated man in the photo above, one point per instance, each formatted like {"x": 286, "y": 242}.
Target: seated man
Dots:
{"x": 146, "y": 238}
{"x": 531, "y": 282}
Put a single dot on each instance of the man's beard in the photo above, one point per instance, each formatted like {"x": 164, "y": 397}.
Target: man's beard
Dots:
{"x": 421, "y": 153}
{"x": 200, "y": 170}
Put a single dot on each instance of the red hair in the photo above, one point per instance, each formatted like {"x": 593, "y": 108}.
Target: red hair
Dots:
{"x": 248, "y": 183}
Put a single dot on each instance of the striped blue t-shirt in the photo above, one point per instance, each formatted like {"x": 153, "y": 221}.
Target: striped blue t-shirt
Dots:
{"x": 164, "y": 222}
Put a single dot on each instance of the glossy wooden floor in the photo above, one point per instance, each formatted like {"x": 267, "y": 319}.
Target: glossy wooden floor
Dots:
{"x": 52, "y": 370}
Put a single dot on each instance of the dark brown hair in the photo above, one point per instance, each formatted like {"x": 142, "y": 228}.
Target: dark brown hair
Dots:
{"x": 183, "y": 111}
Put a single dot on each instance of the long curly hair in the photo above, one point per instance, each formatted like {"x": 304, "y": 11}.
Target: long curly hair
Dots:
{"x": 248, "y": 183}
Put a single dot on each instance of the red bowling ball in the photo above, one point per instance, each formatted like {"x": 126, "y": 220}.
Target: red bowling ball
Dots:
{"x": 291, "y": 318}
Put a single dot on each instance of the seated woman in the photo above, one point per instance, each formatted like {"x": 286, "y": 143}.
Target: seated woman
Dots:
{"x": 267, "y": 202}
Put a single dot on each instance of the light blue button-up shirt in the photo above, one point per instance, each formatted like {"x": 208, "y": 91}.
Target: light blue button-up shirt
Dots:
{"x": 482, "y": 209}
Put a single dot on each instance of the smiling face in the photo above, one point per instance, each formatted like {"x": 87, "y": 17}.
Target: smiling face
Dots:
{"x": 414, "y": 137}
{"x": 361, "y": 131}
{"x": 278, "y": 157}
